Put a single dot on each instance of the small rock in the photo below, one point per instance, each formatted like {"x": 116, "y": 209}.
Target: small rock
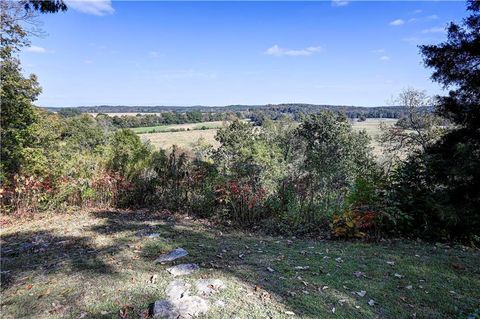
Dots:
{"x": 371, "y": 302}
{"x": 391, "y": 263}
{"x": 398, "y": 275}
{"x": 361, "y": 293}
{"x": 209, "y": 286}
{"x": 193, "y": 306}
{"x": 153, "y": 235}
{"x": 177, "y": 289}
{"x": 409, "y": 287}
{"x": 270, "y": 269}
{"x": 164, "y": 309}
{"x": 359, "y": 274}
{"x": 183, "y": 269}
{"x": 302, "y": 267}
{"x": 290, "y": 313}
{"x": 171, "y": 255}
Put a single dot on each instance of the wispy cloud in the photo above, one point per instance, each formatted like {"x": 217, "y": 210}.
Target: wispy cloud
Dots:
{"x": 88, "y": 61}
{"x": 154, "y": 54}
{"x": 36, "y": 49}
{"x": 339, "y": 3}
{"x": 434, "y": 30}
{"x": 384, "y": 58}
{"x": 95, "y": 7}
{"x": 378, "y": 51}
{"x": 432, "y": 17}
{"x": 278, "y": 51}
{"x": 417, "y": 11}
{"x": 397, "y": 22}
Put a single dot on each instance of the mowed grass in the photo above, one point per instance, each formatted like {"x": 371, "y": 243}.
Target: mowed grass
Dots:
{"x": 92, "y": 265}
{"x": 188, "y": 126}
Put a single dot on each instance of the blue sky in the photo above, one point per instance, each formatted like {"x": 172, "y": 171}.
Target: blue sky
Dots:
{"x": 220, "y": 53}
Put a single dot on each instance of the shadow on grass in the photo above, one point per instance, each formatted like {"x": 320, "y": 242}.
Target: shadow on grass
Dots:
{"x": 41, "y": 252}
{"x": 235, "y": 254}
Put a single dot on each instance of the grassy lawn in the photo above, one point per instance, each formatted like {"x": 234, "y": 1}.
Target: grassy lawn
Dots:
{"x": 92, "y": 264}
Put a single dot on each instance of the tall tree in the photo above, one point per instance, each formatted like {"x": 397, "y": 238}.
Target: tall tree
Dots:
{"x": 17, "y": 92}
{"x": 440, "y": 187}
{"x": 456, "y": 64}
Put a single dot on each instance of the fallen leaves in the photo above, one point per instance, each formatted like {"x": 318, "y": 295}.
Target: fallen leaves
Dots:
{"x": 302, "y": 267}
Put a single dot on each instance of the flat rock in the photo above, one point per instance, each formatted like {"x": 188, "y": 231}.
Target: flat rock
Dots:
{"x": 209, "y": 286}
{"x": 183, "y": 269}
{"x": 191, "y": 306}
{"x": 186, "y": 307}
{"x": 177, "y": 289}
{"x": 171, "y": 255}
{"x": 165, "y": 309}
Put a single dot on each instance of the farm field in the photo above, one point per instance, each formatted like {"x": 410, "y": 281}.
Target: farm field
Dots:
{"x": 187, "y": 126}
{"x": 185, "y": 139}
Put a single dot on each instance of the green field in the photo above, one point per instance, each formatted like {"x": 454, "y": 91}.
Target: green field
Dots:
{"x": 94, "y": 264}
{"x": 164, "y": 137}
{"x": 179, "y": 127}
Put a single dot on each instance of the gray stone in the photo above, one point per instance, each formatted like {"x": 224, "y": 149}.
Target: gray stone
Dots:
{"x": 209, "y": 286}
{"x": 177, "y": 289}
{"x": 165, "y": 309}
{"x": 191, "y": 306}
{"x": 171, "y": 255}
{"x": 184, "y": 307}
{"x": 183, "y": 269}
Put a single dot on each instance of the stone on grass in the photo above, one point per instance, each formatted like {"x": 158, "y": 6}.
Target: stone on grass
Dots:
{"x": 171, "y": 255}
{"x": 179, "y": 303}
{"x": 191, "y": 306}
{"x": 177, "y": 289}
{"x": 183, "y": 269}
{"x": 209, "y": 286}
{"x": 164, "y": 309}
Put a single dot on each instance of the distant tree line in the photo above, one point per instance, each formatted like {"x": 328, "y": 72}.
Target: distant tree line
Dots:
{"x": 257, "y": 114}
{"x": 146, "y": 120}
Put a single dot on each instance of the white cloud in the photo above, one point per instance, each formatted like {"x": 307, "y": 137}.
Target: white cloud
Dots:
{"x": 88, "y": 61}
{"x": 384, "y": 58}
{"x": 417, "y": 11}
{"x": 378, "y": 51}
{"x": 278, "y": 51}
{"x": 434, "y": 30}
{"x": 339, "y": 3}
{"x": 432, "y": 17}
{"x": 95, "y": 7}
{"x": 35, "y": 49}
{"x": 397, "y": 22}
